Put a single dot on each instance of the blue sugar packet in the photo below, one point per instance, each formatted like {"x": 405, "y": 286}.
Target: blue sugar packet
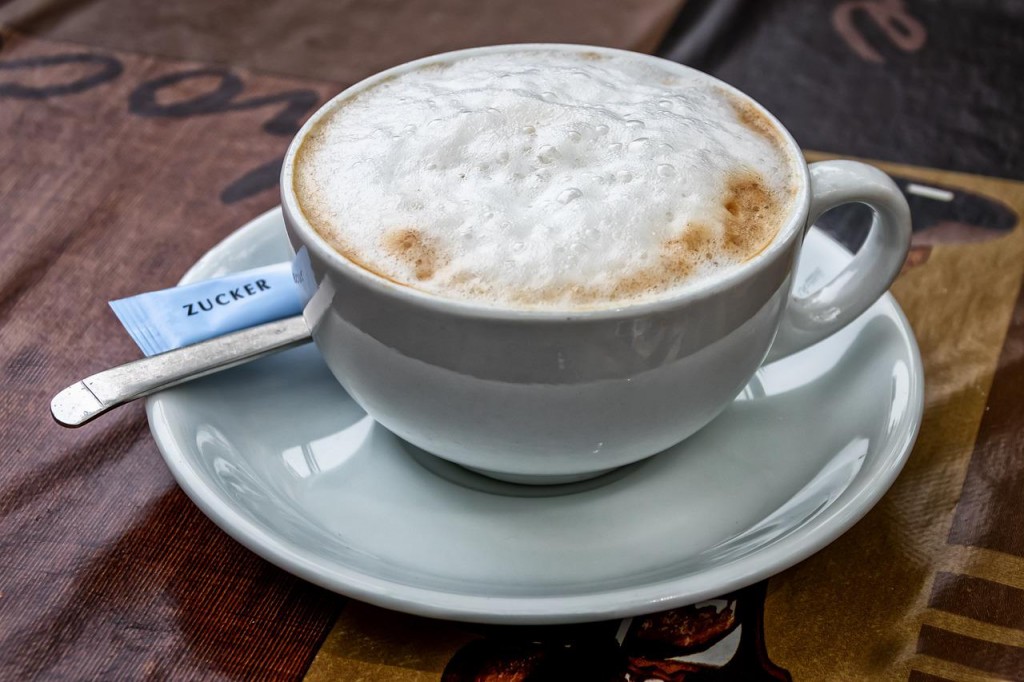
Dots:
{"x": 164, "y": 320}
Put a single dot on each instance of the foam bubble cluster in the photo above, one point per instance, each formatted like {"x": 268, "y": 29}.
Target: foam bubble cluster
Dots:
{"x": 545, "y": 179}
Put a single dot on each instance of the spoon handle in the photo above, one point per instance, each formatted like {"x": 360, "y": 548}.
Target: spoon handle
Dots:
{"x": 89, "y": 398}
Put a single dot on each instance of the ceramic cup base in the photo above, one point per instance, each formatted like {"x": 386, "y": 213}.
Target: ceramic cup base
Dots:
{"x": 526, "y": 479}
{"x": 514, "y": 486}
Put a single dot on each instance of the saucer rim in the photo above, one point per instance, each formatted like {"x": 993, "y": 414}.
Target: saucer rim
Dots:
{"x": 598, "y": 605}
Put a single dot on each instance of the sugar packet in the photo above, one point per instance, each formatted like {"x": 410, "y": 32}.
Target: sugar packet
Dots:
{"x": 160, "y": 321}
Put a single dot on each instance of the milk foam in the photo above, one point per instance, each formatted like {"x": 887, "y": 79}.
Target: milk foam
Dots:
{"x": 545, "y": 179}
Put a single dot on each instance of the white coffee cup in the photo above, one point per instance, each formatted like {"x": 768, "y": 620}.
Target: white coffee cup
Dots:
{"x": 547, "y": 396}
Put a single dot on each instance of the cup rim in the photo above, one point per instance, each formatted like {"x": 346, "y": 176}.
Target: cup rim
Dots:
{"x": 791, "y": 229}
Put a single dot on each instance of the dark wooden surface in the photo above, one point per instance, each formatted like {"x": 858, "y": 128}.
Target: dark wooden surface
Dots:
{"x": 135, "y": 135}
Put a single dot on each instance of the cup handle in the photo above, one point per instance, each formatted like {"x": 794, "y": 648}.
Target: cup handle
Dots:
{"x": 809, "y": 319}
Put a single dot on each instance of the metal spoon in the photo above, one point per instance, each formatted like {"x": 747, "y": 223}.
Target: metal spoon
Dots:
{"x": 89, "y": 398}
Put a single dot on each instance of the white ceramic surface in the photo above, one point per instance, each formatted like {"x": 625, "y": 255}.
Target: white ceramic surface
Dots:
{"x": 547, "y": 395}
{"x": 280, "y": 457}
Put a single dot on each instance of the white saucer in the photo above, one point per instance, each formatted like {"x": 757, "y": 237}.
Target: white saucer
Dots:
{"x": 280, "y": 457}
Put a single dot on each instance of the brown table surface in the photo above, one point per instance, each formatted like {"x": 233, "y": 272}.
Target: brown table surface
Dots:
{"x": 135, "y": 134}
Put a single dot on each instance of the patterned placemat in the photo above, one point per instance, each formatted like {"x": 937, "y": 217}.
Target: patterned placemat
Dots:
{"x": 136, "y": 135}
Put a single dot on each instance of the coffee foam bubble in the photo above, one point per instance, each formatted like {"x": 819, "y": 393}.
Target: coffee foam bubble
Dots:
{"x": 546, "y": 179}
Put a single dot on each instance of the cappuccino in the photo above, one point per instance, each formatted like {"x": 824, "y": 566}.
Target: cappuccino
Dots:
{"x": 546, "y": 179}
